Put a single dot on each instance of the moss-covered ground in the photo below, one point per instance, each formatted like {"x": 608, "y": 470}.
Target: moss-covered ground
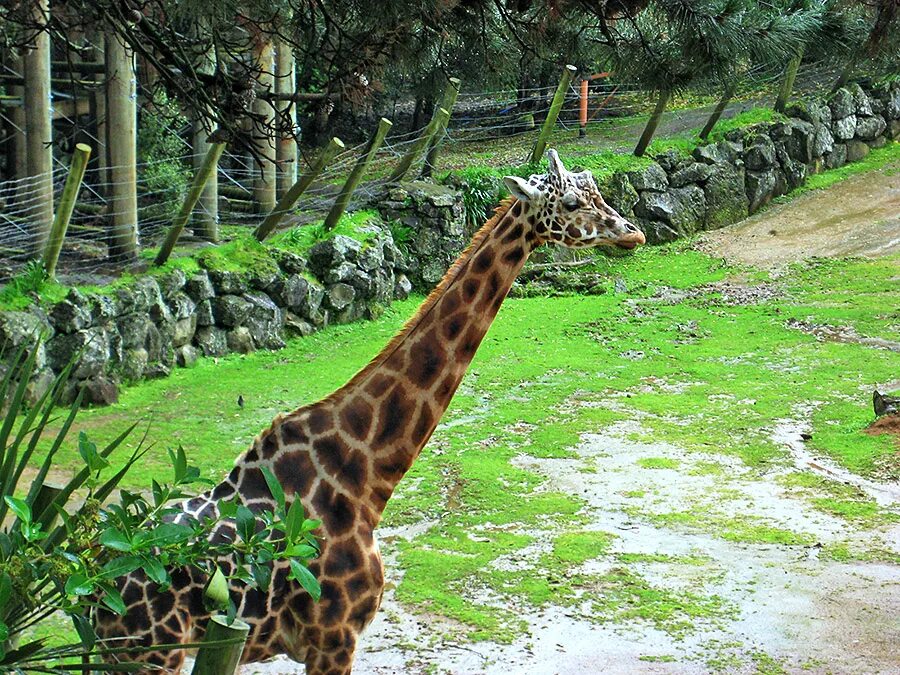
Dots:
{"x": 690, "y": 360}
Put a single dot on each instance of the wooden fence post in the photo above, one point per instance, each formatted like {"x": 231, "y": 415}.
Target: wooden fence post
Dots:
{"x": 221, "y": 659}
{"x": 121, "y": 144}
{"x": 66, "y": 205}
{"x": 440, "y": 117}
{"x": 787, "y": 84}
{"x": 206, "y": 170}
{"x": 205, "y": 221}
{"x": 434, "y": 145}
{"x": 39, "y": 124}
{"x": 555, "y": 106}
{"x": 343, "y": 198}
{"x": 291, "y": 196}
{"x": 583, "y": 108}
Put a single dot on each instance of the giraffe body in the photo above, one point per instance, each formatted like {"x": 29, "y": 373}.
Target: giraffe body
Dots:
{"x": 344, "y": 455}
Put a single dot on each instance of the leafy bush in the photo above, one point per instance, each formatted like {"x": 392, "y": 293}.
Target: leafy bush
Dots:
{"x": 62, "y": 549}
{"x": 163, "y": 177}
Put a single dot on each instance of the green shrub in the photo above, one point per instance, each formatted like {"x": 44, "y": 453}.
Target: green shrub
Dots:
{"x": 163, "y": 177}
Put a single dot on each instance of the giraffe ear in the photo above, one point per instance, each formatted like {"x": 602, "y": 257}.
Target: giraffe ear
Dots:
{"x": 521, "y": 189}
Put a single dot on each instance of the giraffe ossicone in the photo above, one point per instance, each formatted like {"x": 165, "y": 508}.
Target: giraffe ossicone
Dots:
{"x": 344, "y": 455}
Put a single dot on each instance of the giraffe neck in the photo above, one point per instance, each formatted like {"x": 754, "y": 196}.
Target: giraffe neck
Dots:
{"x": 385, "y": 415}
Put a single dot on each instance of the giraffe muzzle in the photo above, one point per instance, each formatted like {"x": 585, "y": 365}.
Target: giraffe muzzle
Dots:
{"x": 632, "y": 237}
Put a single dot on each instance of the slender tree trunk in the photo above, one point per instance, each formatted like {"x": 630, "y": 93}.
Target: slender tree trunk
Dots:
{"x": 787, "y": 84}
{"x": 264, "y": 183}
{"x": 121, "y": 143}
{"x": 846, "y": 72}
{"x": 39, "y": 128}
{"x": 727, "y": 95}
{"x": 286, "y": 148}
{"x": 652, "y": 123}
{"x": 18, "y": 165}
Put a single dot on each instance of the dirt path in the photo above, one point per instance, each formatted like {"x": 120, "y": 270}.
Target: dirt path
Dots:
{"x": 859, "y": 216}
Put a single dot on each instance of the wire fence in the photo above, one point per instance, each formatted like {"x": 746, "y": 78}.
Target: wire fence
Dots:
{"x": 484, "y": 117}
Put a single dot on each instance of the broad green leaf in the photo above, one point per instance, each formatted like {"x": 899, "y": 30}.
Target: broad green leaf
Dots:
{"x": 115, "y": 539}
{"x": 155, "y": 570}
{"x": 274, "y": 486}
{"x": 293, "y": 523}
{"x": 113, "y": 599}
{"x": 19, "y": 507}
{"x": 262, "y": 574}
{"x": 79, "y": 584}
{"x": 165, "y": 534}
{"x": 246, "y": 522}
{"x": 118, "y": 567}
{"x": 88, "y": 452}
{"x": 85, "y": 631}
{"x": 301, "y": 574}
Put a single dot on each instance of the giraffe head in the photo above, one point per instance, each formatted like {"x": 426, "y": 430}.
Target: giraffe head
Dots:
{"x": 568, "y": 209}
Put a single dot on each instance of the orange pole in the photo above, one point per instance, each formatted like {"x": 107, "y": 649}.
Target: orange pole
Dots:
{"x": 584, "y": 108}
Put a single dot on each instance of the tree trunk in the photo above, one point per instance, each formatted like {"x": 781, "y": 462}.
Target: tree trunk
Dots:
{"x": 787, "y": 84}
{"x": 39, "y": 129}
{"x": 264, "y": 182}
{"x": 727, "y": 95}
{"x": 846, "y": 73}
{"x": 205, "y": 218}
{"x": 652, "y": 123}
{"x": 121, "y": 143}
{"x": 286, "y": 148}
{"x": 18, "y": 164}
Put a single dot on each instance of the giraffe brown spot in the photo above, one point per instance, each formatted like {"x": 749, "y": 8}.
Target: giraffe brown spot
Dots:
{"x": 394, "y": 416}
{"x": 393, "y": 467}
{"x": 454, "y": 325}
{"x": 162, "y": 603}
{"x": 514, "y": 256}
{"x": 469, "y": 345}
{"x": 483, "y": 261}
{"x": 531, "y": 219}
{"x": 269, "y": 445}
{"x": 470, "y": 289}
{"x": 446, "y": 389}
{"x": 517, "y": 209}
{"x": 173, "y": 623}
{"x": 491, "y": 291}
{"x": 225, "y": 490}
{"x": 296, "y": 472}
{"x": 377, "y": 569}
{"x": 357, "y": 417}
{"x": 427, "y": 358}
{"x": 320, "y": 420}
{"x": 362, "y": 612}
{"x": 252, "y": 455}
{"x": 357, "y": 585}
{"x": 378, "y": 385}
{"x": 338, "y": 460}
{"x": 424, "y": 426}
{"x": 252, "y": 485}
{"x": 332, "y": 605}
{"x": 573, "y": 232}
{"x": 450, "y": 302}
{"x": 136, "y": 622}
{"x": 269, "y": 627}
{"x": 334, "y": 508}
{"x": 342, "y": 558}
{"x": 254, "y": 604}
{"x": 342, "y": 658}
{"x": 293, "y": 433}
{"x": 379, "y": 497}
{"x": 132, "y": 592}
{"x": 514, "y": 234}
{"x": 396, "y": 361}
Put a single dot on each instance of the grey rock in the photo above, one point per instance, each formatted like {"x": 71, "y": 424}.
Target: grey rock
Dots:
{"x": 291, "y": 263}
{"x": 181, "y": 305}
{"x": 878, "y": 142}
{"x": 156, "y": 371}
{"x": 759, "y": 186}
{"x": 860, "y": 99}
{"x": 668, "y": 160}
{"x": 371, "y": 257}
{"x": 134, "y": 329}
{"x": 18, "y": 328}
{"x": 796, "y": 137}
{"x": 139, "y": 296}
{"x": 171, "y": 281}
{"x": 342, "y": 272}
{"x": 695, "y": 172}
{"x": 402, "y": 287}
{"x": 856, "y": 150}
{"x": 134, "y": 363}
{"x": 893, "y": 130}
{"x": 781, "y": 182}
{"x": 759, "y": 154}
{"x": 294, "y": 325}
{"x": 211, "y": 341}
{"x": 651, "y": 177}
{"x": 352, "y": 312}
{"x": 230, "y": 310}
{"x": 263, "y": 279}
{"x": 844, "y": 128}
{"x": 72, "y": 314}
{"x": 226, "y": 282}
{"x": 91, "y": 347}
{"x": 264, "y": 321}
{"x": 331, "y": 253}
{"x": 869, "y": 128}
{"x": 103, "y": 309}
{"x": 99, "y": 390}
{"x": 362, "y": 282}
{"x": 892, "y": 104}
{"x": 837, "y": 157}
{"x": 823, "y": 140}
{"x": 204, "y": 313}
{"x": 291, "y": 292}
{"x": 186, "y": 356}
{"x": 620, "y": 194}
{"x": 239, "y": 340}
{"x": 183, "y": 330}
{"x": 813, "y": 111}
{"x": 726, "y": 200}
{"x": 339, "y": 296}
{"x": 39, "y": 384}
{"x": 794, "y": 174}
{"x": 199, "y": 287}
{"x": 657, "y": 232}
{"x": 681, "y": 208}
{"x": 717, "y": 153}
{"x": 841, "y": 104}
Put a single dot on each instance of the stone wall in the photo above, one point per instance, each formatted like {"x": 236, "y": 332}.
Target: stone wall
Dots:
{"x": 160, "y": 322}
{"x": 723, "y": 182}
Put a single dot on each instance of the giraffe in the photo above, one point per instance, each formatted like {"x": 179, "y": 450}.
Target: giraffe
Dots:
{"x": 344, "y": 455}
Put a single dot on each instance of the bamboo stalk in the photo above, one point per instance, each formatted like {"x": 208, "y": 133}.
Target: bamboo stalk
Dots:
{"x": 555, "y": 106}
{"x": 66, "y": 206}
{"x": 221, "y": 659}
{"x": 440, "y": 116}
{"x": 343, "y": 198}
{"x": 652, "y": 123}
{"x": 448, "y": 100}
{"x": 287, "y": 201}
{"x": 207, "y": 169}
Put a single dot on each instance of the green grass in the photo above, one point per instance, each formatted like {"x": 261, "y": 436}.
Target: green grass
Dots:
{"x": 658, "y": 463}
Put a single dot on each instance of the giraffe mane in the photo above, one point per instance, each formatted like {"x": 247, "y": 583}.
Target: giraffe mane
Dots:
{"x": 449, "y": 277}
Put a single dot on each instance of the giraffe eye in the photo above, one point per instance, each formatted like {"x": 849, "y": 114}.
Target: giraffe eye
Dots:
{"x": 570, "y": 201}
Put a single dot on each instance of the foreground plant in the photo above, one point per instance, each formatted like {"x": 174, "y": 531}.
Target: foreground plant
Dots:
{"x": 64, "y": 549}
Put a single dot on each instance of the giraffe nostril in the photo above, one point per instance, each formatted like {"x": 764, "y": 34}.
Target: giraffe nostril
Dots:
{"x": 629, "y": 227}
